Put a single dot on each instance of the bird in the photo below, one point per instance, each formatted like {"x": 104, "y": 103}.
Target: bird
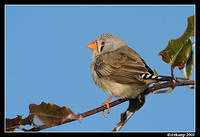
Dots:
{"x": 119, "y": 70}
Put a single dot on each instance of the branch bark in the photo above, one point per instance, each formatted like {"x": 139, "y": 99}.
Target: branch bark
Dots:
{"x": 119, "y": 101}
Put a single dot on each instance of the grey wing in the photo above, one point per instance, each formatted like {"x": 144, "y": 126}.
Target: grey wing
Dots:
{"x": 122, "y": 66}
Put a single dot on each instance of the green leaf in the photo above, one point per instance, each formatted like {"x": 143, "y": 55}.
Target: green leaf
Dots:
{"x": 155, "y": 72}
{"x": 183, "y": 55}
{"x": 190, "y": 64}
{"x": 51, "y": 114}
{"x": 179, "y": 46}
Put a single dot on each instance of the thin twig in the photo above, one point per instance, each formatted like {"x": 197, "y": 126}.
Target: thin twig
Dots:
{"x": 119, "y": 101}
{"x": 172, "y": 72}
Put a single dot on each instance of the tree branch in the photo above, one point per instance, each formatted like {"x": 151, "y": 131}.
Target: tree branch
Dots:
{"x": 119, "y": 101}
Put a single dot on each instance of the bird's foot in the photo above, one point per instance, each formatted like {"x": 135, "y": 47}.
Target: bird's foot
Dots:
{"x": 107, "y": 105}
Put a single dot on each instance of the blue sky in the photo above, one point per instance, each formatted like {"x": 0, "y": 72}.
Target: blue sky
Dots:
{"x": 47, "y": 60}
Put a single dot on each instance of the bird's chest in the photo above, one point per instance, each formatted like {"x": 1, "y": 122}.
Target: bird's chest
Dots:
{"x": 111, "y": 87}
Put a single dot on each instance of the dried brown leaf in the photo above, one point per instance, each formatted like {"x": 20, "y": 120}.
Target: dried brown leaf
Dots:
{"x": 51, "y": 114}
{"x": 13, "y": 124}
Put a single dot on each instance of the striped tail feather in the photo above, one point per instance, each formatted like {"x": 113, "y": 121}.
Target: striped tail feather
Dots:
{"x": 152, "y": 76}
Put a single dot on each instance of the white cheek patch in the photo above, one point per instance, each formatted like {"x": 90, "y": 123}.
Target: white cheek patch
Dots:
{"x": 99, "y": 49}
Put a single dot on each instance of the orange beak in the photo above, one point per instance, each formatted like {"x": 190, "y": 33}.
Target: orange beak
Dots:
{"x": 92, "y": 45}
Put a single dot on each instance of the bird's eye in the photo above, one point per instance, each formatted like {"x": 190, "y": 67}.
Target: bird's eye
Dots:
{"x": 103, "y": 43}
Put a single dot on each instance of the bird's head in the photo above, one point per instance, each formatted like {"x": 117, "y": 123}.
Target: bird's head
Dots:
{"x": 106, "y": 43}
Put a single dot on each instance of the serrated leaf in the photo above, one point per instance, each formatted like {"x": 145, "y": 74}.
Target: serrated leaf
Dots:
{"x": 190, "y": 65}
{"x": 175, "y": 46}
{"x": 51, "y": 114}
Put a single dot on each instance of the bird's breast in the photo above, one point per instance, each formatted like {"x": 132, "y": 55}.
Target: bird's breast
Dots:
{"x": 123, "y": 91}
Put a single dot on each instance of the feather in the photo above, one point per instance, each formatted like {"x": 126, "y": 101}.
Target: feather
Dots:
{"x": 120, "y": 67}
